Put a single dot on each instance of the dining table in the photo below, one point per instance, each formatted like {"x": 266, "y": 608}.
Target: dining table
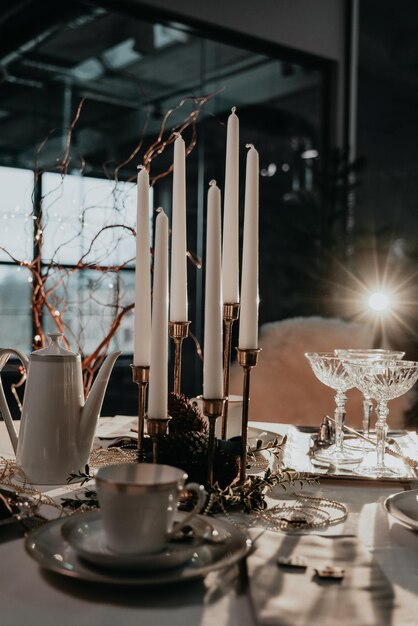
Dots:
{"x": 376, "y": 555}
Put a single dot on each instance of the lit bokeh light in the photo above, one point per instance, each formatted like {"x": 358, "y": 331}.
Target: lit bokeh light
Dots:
{"x": 376, "y": 292}
{"x": 379, "y": 301}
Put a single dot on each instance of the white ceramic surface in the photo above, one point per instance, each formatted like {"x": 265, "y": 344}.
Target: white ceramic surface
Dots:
{"x": 234, "y": 416}
{"x": 404, "y": 507}
{"x": 138, "y": 503}
{"x": 47, "y": 546}
{"x": 258, "y": 434}
{"x": 86, "y": 534}
{"x": 57, "y": 425}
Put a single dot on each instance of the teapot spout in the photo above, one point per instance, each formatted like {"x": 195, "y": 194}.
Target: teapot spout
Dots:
{"x": 91, "y": 410}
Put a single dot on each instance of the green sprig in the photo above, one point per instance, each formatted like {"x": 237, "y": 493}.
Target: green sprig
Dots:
{"x": 250, "y": 496}
{"x": 84, "y": 476}
{"x": 89, "y": 501}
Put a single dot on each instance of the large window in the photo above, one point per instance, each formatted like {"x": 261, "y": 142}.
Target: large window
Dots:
{"x": 88, "y": 220}
{"x": 85, "y": 220}
{"x": 122, "y": 74}
{"x": 16, "y": 244}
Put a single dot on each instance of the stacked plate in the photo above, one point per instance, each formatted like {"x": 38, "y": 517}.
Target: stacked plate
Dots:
{"x": 404, "y": 507}
{"x": 76, "y": 547}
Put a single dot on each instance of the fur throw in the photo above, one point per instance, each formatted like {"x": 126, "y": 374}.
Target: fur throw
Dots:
{"x": 283, "y": 385}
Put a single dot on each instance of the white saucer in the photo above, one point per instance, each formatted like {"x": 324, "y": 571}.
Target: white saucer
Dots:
{"x": 404, "y": 507}
{"x": 50, "y": 550}
{"x": 85, "y": 533}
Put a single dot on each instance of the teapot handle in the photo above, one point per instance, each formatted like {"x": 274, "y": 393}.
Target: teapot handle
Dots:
{"x": 5, "y": 354}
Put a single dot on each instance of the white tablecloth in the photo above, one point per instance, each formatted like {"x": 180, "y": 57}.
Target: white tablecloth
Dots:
{"x": 29, "y": 595}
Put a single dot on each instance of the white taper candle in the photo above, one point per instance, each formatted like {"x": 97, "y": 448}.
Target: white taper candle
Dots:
{"x": 157, "y": 397}
{"x": 248, "y": 323}
{"x": 213, "y": 351}
{"x": 178, "y": 287}
{"x": 142, "y": 311}
{"x": 230, "y": 256}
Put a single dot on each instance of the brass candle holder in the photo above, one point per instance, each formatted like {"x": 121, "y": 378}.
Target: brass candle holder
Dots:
{"x": 140, "y": 376}
{"x": 178, "y": 331}
{"x": 247, "y": 358}
{"x": 212, "y": 409}
{"x": 157, "y": 428}
{"x": 230, "y": 314}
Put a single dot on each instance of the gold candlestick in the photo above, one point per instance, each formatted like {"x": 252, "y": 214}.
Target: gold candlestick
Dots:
{"x": 156, "y": 427}
{"x": 178, "y": 332}
{"x": 248, "y": 359}
{"x": 212, "y": 409}
{"x": 140, "y": 376}
{"x": 230, "y": 314}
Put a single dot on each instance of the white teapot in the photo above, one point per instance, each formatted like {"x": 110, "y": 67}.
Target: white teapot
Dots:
{"x": 57, "y": 425}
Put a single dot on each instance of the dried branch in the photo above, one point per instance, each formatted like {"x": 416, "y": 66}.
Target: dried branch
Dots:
{"x": 63, "y": 166}
{"x": 51, "y": 279}
{"x": 199, "y": 350}
{"x": 161, "y": 144}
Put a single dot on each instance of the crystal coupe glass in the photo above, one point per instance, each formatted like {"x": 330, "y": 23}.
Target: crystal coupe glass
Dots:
{"x": 329, "y": 369}
{"x": 383, "y": 381}
{"x": 372, "y": 355}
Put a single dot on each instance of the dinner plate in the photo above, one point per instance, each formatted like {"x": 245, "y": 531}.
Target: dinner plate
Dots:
{"x": 53, "y": 552}
{"x": 258, "y": 434}
{"x": 404, "y": 507}
{"x": 85, "y": 533}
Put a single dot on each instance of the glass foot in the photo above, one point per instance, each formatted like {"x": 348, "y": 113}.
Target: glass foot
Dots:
{"x": 355, "y": 443}
{"x": 379, "y": 472}
{"x": 337, "y": 457}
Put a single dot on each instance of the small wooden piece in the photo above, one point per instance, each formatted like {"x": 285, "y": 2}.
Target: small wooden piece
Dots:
{"x": 329, "y": 571}
{"x": 295, "y": 562}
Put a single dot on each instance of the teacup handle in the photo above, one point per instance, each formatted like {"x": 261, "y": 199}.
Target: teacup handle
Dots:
{"x": 200, "y": 492}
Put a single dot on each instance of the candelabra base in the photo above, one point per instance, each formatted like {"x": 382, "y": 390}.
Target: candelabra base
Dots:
{"x": 212, "y": 409}
{"x": 178, "y": 331}
{"x": 248, "y": 359}
{"x": 157, "y": 428}
{"x": 230, "y": 315}
{"x": 140, "y": 376}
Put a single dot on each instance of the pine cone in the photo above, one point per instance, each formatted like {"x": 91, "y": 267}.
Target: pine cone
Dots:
{"x": 226, "y": 467}
{"x": 186, "y": 445}
{"x": 186, "y": 450}
{"x": 185, "y": 416}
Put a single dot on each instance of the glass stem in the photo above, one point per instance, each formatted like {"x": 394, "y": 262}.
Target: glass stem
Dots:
{"x": 367, "y": 415}
{"x": 381, "y": 432}
{"x": 340, "y": 399}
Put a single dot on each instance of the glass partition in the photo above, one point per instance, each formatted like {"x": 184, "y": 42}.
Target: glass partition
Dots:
{"x": 82, "y": 104}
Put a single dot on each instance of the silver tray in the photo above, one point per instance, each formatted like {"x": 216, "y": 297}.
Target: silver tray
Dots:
{"x": 47, "y": 546}
{"x": 296, "y": 456}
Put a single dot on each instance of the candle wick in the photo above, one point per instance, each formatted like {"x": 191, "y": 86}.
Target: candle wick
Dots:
{"x": 176, "y": 133}
{"x": 141, "y": 167}
{"x": 159, "y": 210}
{"x": 249, "y": 145}
{"x": 212, "y": 182}
{"x": 233, "y": 109}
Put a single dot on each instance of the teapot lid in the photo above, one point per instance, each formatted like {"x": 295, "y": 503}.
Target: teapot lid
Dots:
{"x": 54, "y": 348}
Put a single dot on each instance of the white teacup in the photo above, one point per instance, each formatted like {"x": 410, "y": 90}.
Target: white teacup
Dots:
{"x": 138, "y": 503}
{"x": 234, "y": 416}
